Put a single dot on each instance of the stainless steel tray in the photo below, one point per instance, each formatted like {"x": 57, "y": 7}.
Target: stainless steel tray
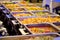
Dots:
{"x": 44, "y": 13}
{"x": 14, "y": 8}
{"x": 42, "y": 28}
{"x": 31, "y": 37}
{"x": 21, "y": 14}
{"x": 37, "y": 20}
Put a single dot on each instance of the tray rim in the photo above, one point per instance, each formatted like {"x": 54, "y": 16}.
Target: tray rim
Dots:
{"x": 48, "y": 34}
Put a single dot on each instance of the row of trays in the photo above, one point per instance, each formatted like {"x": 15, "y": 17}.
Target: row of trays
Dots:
{"x": 33, "y": 13}
{"x": 42, "y": 28}
{"x": 15, "y": 7}
{"x": 28, "y": 18}
{"x": 33, "y": 27}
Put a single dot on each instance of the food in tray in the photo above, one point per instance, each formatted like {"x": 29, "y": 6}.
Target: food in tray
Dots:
{"x": 38, "y": 30}
{"x": 23, "y": 2}
{"x": 39, "y": 20}
{"x": 22, "y": 14}
{"x": 34, "y": 8}
{"x": 8, "y": 3}
{"x": 41, "y": 13}
{"x": 17, "y": 9}
{"x": 14, "y": 7}
{"x": 11, "y": 5}
{"x": 29, "y": 5}
{"x": 42, "y": 38}
{"x": 39, "y": 38}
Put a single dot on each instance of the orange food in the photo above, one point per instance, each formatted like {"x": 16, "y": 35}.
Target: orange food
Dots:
{"x": 40, "y": 20}
{"x": 16, "y": 9}
{"x": 23, "y": 2}
{"x": 19, "y": 15}
{"x": 34, "y": 8}
{"x": 38, "y": 30}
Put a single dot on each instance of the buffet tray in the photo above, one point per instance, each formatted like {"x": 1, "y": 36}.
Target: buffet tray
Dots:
{"x": 13, "y": 7}
{"x": 43, "y": 13}
{"x": 41, "y": 28}
{"x": 21, "y": 14}
{"x": 31, "y": 37}
{"x": 38, "y": 19}
{"x": 34, "y": 8}
{"x": 8, "y": 3}
{"x": 28, "y": 5}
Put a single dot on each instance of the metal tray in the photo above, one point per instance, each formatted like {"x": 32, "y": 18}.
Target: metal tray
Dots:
{"x": 37, "y": 20}
{"x": 14, "y": 7}
{"x": 24, "y": 3}
{"x": 31, "y": 37}
{"x": 41, "y": 28}
{"x": 21, "y": 14}
{"x": 28, "y": 5}
{"x": 34, "y": 8}
{"x": 8, "y": 3}
{"x": 43, "y": 13}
